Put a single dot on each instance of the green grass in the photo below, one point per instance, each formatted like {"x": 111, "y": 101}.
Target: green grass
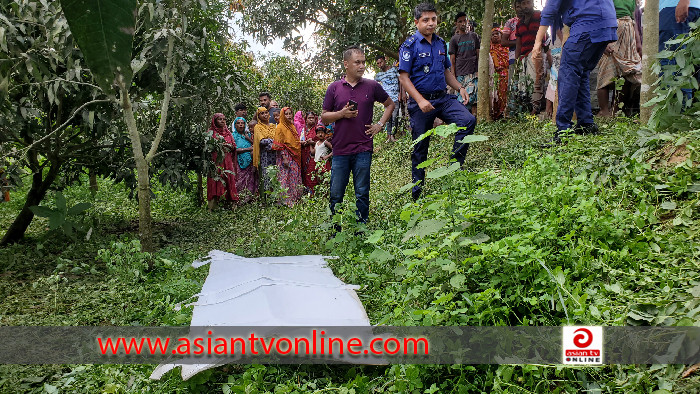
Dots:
{"x": 618, "y": 234}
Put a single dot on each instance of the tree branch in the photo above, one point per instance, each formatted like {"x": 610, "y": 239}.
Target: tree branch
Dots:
{"x": 165, "y": 151}
{"x": 166, "y": 101}
{"x": 55, "y": 80}
{"x": 130, "y": 120}
{"x": 65, "y": 124}
{"x": 388, "y": 52}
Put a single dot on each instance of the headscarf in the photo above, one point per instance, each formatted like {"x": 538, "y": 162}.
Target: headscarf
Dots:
{"x": 220, "y": 131}
{"x": 245, "y": 158}
{"x": 299, "y": 121}
{"x": 287, "y": 138}
{"x": 262, "y": 131}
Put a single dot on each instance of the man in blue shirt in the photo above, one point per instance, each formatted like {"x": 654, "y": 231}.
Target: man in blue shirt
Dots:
{"x": 424, "y": 72}
{"x": 593, "y": 25}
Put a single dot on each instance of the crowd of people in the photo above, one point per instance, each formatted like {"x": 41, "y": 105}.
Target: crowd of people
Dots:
{"x": 537, "y": 59}
{"x": 273, "y": 136}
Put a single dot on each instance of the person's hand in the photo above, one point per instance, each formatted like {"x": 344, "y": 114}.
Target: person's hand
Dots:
{"x": 536, "y": 49}
{"x": 463, "y": 93}
{"x": 682, "y": 11}
{"x": 425, "y": 106}
{"x": 373, "y": 129}
{"x": 347, "y": 112}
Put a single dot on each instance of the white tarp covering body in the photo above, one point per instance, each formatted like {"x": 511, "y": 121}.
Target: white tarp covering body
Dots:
{"x": 270, "y": 291}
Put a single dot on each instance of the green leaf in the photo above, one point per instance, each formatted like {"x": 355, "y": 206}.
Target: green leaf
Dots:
{"x": 457, "y": 281}
{"x": 79, "y": 208}
{"x": 474, "y": 138}
{"x": 426, "y": 163}
{"x": 670, "y": 205}
{"x": 380, "y": 255}
{"x": 475, "y": 239}
{"x": 56, "y": 219}
{"x": 559, "y": 276}
{"x": 407, "y": 187}
{"x": 447, "y": 129}
{"x": 60, "y": 202}
{"x": 104, "y": 31}
{"x": 375, "y": 237}
{"x": 489, "y": 197}
{"x": 443, "y": 171}
{"x": 43, "y": 212}
{"x": 67, "y": 228}
{"x": 423, "y": 136}
{"x": 615, "y": 288}
{"x": 425, "y": 227}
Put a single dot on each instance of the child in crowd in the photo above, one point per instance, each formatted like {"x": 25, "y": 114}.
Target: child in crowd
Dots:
{"x": 323, "y": 149}
{"x": 276, "y": 113}
{"x": 251, "y": 127}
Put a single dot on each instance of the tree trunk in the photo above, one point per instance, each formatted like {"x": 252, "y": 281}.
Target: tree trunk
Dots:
{"x": 483, "y": 100}
{"x": 142, "y": 161}
{"x": 145, "y": 221}
{"x": 93, "y": 181}
{"x": 35, "y": 195}
{"x": 650, "y": 47}
{"x": 144, "y": 192}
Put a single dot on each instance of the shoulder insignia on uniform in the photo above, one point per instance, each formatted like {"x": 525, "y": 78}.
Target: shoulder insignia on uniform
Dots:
{"x": 409, "y": 41}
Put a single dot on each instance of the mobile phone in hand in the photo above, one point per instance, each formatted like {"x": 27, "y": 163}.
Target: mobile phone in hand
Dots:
{"x": 353, "y": 105}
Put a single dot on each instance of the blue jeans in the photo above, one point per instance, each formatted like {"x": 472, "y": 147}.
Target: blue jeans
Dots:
{"x": 669, "y": 29}
{"x": 577, "y": 61}
{"x": 342, "y": 166}
{"x": 450, "y": 111}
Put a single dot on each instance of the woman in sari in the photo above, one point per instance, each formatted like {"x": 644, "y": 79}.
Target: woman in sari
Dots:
{"x": 499, "y": 55}
{"x": 263, "y": 154}
{"x": 289, "y": 158}
{"x": 223, "y": 182}
{"x": 307, "y": 137}
{"x": 246, "y": 178}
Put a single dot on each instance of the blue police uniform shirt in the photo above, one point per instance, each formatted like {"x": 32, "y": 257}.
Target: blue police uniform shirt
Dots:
{"x": 425, "y": 62}
{"x": 596, "y": 17}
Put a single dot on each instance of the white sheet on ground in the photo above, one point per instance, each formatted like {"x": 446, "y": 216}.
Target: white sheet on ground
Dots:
{"x": 269, "y": 291}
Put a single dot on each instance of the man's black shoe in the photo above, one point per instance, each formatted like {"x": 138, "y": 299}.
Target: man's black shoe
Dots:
{"x": 585, "y": 129}
{"x": 556, "y": 140}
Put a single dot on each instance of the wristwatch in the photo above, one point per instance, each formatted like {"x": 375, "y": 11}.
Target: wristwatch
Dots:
{"x": 380, "y": 124}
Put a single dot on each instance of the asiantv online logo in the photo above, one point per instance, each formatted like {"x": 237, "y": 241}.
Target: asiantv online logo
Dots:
{"x": 582, "y": 345}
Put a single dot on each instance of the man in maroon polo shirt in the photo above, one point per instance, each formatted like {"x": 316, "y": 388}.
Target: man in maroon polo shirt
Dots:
{"x": 349, "y": 102}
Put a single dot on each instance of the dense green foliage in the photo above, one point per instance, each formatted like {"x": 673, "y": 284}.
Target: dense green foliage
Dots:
{"x": 672, "y": 109}
{"x": 600, "y": 231}
{"x": 380, "y": 26}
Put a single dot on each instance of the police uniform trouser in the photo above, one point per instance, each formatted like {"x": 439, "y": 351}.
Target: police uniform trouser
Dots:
{"x": 450, "y": 111}
{"x": 577, "y": 61}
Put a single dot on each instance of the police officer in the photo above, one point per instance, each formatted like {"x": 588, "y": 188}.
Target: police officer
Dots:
{"x": 593, "y": 25}
{"x": 424, "y": 72}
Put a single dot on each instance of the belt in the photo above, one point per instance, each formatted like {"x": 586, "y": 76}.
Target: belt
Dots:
{"x": 433, "y": 96}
